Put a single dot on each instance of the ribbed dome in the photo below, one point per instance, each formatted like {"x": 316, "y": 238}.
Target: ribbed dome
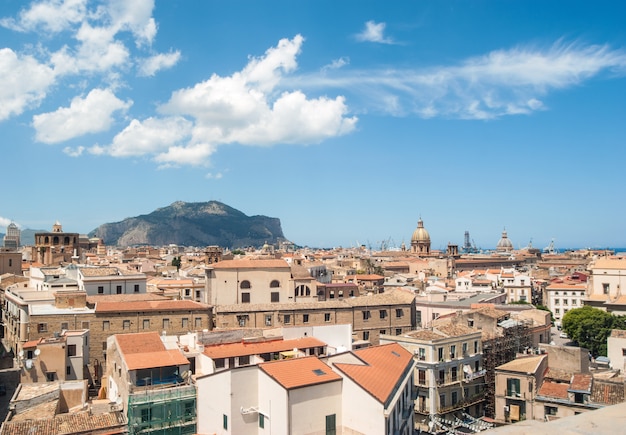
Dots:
{"x": 420, "y": 234}
{"x": 504, "y": 244}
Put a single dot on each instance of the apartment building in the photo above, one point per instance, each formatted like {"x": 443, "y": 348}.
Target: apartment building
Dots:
{"x": 449, "y": 373}
{"x": 562, "y": 297}
{"x": 607, "y": 280}
{"x": 152, "y": 384}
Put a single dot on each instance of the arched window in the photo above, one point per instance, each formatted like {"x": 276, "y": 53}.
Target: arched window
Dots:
{"x": 55, "y": 240}
{"x": 46, "y": 240}
{"x": 244, "y": 284}
{"x": 66, "y": 240}
{"x": 274, "y": 284}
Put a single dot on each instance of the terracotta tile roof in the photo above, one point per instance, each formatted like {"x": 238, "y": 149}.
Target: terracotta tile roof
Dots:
{"x": 556, "y": 390}
{"x": 581, "y": 382}
{"x": 146, "y": 350}
{"x": 32, "y": 343}
{"x": 598, "y": 298}
{"x": 250, "y": 264}
{"x": 455, "y": 329}
{"x": 243, "y": 348}
{"x": 383, "y": 368}
{"x": 299, "y": 372}
{"x": 79, "y": 422}
{"x": 562, "y": 286}
{"x": 162, "y": 305}
{"x": 558, "y": 375}
{"x": 609, "y": 263}
{"x": 425, "y": 334}
{"x": 608, "y": 393}
{"x": 99, "y": 271}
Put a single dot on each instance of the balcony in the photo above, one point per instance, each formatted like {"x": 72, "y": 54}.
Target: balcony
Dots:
{"x": 475, "y": 375}
{"x": 512, "y": 394}
{"x": 468, "y": 401}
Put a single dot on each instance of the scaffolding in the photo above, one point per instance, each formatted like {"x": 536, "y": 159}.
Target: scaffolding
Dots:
{"x": 165, "y": 411}
{"x": 515, "y": 338}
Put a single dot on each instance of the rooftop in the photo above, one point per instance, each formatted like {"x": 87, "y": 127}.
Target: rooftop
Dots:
{"x": 299, "y": 372}
{"x": 257, "y": 348}
{"x": 523, "y": 365}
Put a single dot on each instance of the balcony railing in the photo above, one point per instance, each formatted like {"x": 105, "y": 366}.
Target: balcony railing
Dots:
{"x": 475, "y": 375}
{"x": 512, "y": 394}
{"x": 468, "y": 401}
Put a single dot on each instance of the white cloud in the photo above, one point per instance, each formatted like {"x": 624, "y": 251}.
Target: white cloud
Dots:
{"x": 374, "y": 32}
{"x": 135, "y": 16}
{"x": 91, "y": 114}
{"x": 150, "y": 66}
{"x": 24, "y": 80}
{"x": 217, "y": 176}
{"x": 503, "y": 82}
{"x": 150, "y": 137}
{"x": 4, "y": 222}
{"x": 336, "y": 64}
{"x": 48, "y": 16}
{"x": 243, "y": 108}
{"x": 74, "y": 152}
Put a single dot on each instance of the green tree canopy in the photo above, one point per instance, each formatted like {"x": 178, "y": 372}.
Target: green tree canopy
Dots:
{"x": 590, "y": 327}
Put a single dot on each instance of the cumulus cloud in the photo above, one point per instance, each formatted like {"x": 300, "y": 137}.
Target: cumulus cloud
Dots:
{"x": 336, "y": 64}
{"x": 374, "y": 32}
{"x": 25, "y": 82}
{"x": 150, "y": 66}
{"x": 74, "y": 152}
{"x": 4, "y": 222}
{"x": 91, "y": 114}
{"x": 245, "y": 107}
{"x": 48, "y": 16}
{"x": 503, "y": 82}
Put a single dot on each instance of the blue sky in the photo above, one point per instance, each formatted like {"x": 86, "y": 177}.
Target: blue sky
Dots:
{"x": 347, "y": 120}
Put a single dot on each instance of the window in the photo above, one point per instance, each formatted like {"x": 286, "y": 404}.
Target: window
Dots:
{"x": 366, "y": 314}
{"x": 454, "y": 374}
{"x": 68, "y": 370}
{"x": 605, "y": 288}
{"x": 557, "y": 301}
{"x": 275, "y": 297}
{"x": 453, "y": 351}
{"x": 464, "y": 349}
{"x": 565, "y": 301}
{"x": 245, "y": 298}
{"x": 440, "y": 353}
{"x": 198, "y": 322}
{"x": 550, "y": 410}
{"x": 51, "y": 376}
{"x": 331, "y": 294}
{"x": 136, "y": 288}
{"x": 71, "y": 350}
{"x": 442, "y": 377}
{"x": 241, "y": 320}
{"x": 245, "y": 284}
{"x": 185, "y": 322}
{"x": 366, "y": 335}
{"x": 513, "y": 387}
{"x": 190, "y": 409}
{"x": 476, "y": 346}
{"x": 326, "y": 317}
{"x": 118, "y": 290}
{"x": 126, "y": 324}
{"x": 305, "y": 318}
{"x": 399, "y": 312}
{"x": 261, "y": 421}
{"x": 104, "y": 345}
{"x": 442, "y": 400}
{"x": 274, "y": 284}
{"x": 100, "y": 289}
{"x": 383, "y": 314}
{"x": 64, "y": 326}
{"x": 287, "y": 319}
{"x": 244, "y": 360}
{"x": 476, "y": 365}
{"x": 557, "y": 311}
{"x": 225, "y": 421}
{"x": 166, "y": 323}
{"x": 197, "y": 294}
{"x": 454, "y": 397}
{"x": 421, "y": 377}
{"x": 623, "y": 352}
{"x": 398, "y": 331}
{"x": 84, "y": 325}
{"x": 382, "y": 332}
{"x": 106, "y": 325}
{"x": 331, "y": 425}
{"x": 187, "y": 292}
{"x": 146, "y": 323}
{"x": 42, "y": 327}
{"x": 268, "y": 320}
{"x": 422, "y": 354}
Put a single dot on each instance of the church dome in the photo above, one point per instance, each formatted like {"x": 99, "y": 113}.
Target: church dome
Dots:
{"x": 504, "y": 244}
{"x": 420, "y": 234}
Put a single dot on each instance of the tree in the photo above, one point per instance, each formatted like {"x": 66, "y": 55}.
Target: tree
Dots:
{"x": 176, "y": 262}
{"x": 590, "y": 328}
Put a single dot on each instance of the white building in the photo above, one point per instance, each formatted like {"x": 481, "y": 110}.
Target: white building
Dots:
{"x": 560, "y": 298}
{"x": 365, "y": 391}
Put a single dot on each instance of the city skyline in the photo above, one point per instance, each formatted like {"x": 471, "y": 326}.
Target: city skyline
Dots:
{"x": 348, "y": 122}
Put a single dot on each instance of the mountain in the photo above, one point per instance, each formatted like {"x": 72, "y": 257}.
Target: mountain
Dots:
{"x": 193, "y": 224}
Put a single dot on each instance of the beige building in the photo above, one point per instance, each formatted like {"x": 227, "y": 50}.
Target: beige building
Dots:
{"x": 517, "y": 383}
{"x": 10, "y": 262}
{"x": 449, "y": 374}
{"x": 56, "y": 247}
{"x": 562, "y": 297}
{"x": 63, "y": 357}
{"x": 606, "y": 284}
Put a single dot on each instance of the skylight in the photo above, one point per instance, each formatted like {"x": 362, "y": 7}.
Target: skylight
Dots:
{"x": 319, "y": 372}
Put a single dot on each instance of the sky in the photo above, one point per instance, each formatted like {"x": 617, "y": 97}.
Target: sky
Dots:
{"x": 349, "y": 121}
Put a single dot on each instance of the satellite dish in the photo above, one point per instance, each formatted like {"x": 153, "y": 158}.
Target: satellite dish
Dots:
{"x": 29, "y": 364}
{"x": 21, "y": 353}
{"x": 37, "y": 352}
